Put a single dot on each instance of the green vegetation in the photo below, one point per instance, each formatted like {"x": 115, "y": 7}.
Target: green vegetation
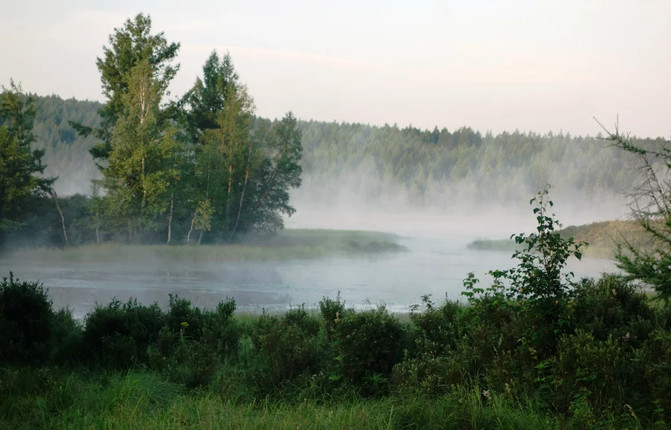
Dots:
{"x": 535, "y": 348}
{"x": 651, "y": 208}
{"x": 201, "y": 169}
{"x": 20, "y": 166}
{"x": 286, "y": 245}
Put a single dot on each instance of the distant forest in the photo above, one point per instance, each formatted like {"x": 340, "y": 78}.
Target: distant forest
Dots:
{"x": 428, "y": 168}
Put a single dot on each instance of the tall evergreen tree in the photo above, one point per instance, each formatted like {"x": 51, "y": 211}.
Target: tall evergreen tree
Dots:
{"x": 20, "y": 166}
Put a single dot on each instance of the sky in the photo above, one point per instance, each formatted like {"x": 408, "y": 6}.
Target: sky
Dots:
{"x": 541, "y": 66}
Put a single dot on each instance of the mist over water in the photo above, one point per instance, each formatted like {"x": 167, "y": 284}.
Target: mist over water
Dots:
{"x": 436, "y": 262}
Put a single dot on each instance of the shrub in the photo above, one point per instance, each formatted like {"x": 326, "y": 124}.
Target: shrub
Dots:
{"x": 291, "y": 343}
{"x": 603, "y": 374}
{"x": 658, "y": 373}
{"x": 189, "y": 346}
{"x": 26, "y": 321}
{"x": 537, "y": 287}
{"x": 611, "y": 306}
{"x": 368, "y": 345}
{"x": 216, "y": 325}
{"x": 118, "y": 335}
{"x": 331, "y": 311}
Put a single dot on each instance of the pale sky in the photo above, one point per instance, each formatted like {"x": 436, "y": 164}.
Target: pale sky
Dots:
{"x": 492, "y": 65}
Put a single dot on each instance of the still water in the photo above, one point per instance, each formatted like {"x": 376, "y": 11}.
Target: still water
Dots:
{"x": 435, "y": 263}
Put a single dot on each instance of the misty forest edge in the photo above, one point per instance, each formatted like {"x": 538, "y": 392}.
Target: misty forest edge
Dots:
{"x": 562, "y": 353}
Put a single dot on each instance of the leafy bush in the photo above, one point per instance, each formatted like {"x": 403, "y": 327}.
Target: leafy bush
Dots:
{"x": 217, "y": 325}
{"x": 657, "y": 372}
{"x": 611, "y": 306}
{"x": 292, "y": 343}
{"x": 368, "y": 345}
{"x": 190, "y": 345}
{"x": 26, "y": 321}
{"x": 537, "y": 287}
{"x": 331, "y": 311}
{"x": 118, "y": 335}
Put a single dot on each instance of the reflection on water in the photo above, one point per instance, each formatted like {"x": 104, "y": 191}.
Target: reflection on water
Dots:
{"x": 431, "y": 266}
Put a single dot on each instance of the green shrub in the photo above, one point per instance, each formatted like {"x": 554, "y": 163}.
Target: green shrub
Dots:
{"x": 118, "y": 335}
{"x": 611, "y": 306}
{"x": 26, "y": 321}
{"x": 658, "y": 374}
{"x": 66, "y": 338}
{"x": 601, "y": 372}
{"x": 190, "y": 362}
{"x": 439, "y": 328}
{"x": 331, "y": 311}
{"x": 216, "y": 325}
{"x": 293, "y": 344}
{"x": 368, "y": 345}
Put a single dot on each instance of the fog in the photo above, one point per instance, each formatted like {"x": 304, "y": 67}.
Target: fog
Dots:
{"x": 435, "y": 262}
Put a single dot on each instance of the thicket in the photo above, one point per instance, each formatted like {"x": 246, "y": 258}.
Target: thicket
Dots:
{"x": 535, "y": 346}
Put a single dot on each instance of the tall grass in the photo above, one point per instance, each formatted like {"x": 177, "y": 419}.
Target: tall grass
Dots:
{"x": 137, "y": 399}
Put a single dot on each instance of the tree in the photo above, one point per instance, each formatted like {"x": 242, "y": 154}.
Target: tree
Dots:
{"x": 243, "y": 168}
{"x": 128, "y": 46}
{"x": 651, "y": 208}
{"x": 139, "y": 162}
{"x": 20, "y": 166}
{"x": 278, "y": 173}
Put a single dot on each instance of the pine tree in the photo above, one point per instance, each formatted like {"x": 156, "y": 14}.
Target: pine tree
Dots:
{"x": 20, "y": 166}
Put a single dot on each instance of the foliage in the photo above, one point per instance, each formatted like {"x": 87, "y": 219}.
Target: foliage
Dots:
{"x": 471, "y": 361}
{"x": 368, "y": 344}
{"x": 128, "y": 47}
{"x": 25, "y": 322}
{"x": 291, "y": 343}
{"x": 537, "y": 287}
{"x": 651, "y": 208}
{"x": 331, "y": 312}
{"x": 117, "y": 335}
{"x": 20, "y": 165}
{"x": 259, "y": 161}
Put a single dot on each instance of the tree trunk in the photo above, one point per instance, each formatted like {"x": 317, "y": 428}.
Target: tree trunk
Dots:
{"x": 58, "y": 207}
{"x": 242, "y": 193}
{"x": 172, "y": 196}
{"x": 193, "y": 220}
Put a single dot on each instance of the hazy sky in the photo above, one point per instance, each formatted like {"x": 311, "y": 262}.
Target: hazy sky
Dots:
{"x": 491, "y": 65}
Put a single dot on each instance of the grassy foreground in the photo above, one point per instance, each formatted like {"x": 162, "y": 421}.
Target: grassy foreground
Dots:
{"x": 48, "y": 398}
{"x": 288, "y": 244}
{"x": 488, "y": 364}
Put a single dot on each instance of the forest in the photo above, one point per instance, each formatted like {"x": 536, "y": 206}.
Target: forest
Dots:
{"x": 532, "y": 348}
{"x": 387, "y": 166}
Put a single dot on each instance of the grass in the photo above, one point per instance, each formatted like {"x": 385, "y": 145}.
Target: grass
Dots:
{"x": 288, "y": 244}
{"x": 37, "y": 398}
{"x": 602, "y": 237}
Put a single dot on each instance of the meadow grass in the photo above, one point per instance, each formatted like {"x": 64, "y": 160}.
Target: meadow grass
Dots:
{"x": 40, "y": 398}
{"x": 288, "y": 244}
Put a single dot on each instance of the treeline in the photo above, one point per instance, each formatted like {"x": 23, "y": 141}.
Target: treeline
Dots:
{"x": 201, "y": 167}
{"x": 446, "y": 169}
{"x": 428, "y": 168}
